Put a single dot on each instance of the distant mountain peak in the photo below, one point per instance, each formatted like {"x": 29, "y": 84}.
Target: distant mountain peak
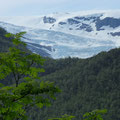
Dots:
{"x": 77, "y": 34}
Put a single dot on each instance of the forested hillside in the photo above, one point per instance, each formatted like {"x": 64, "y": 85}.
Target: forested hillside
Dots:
{"x": 4, "y": 42}
{"x": 86, "y": 84}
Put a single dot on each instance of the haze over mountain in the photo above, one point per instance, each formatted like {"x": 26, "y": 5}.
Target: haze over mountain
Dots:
{"x": 79, "y": 34}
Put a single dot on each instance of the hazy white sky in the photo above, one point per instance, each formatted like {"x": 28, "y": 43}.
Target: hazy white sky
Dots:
{"x": 38, "y": 7}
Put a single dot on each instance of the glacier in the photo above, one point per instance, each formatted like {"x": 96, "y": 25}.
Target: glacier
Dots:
{"x": 80, "y": 34}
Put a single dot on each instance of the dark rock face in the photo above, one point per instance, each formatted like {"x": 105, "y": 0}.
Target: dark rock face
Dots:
{"x": 115, "y": 33}
{"x": 49, "y": 20}
{"x": 62, "y": 23}
{"x": 39, "y": 49}
{"x": 86, "y": 27}
{"x": 70, "y": 29}
{"x": 81, "y": 22}
{"x": 72, "y": 21}
{"x": 92, "y": 18}
{"x": 79, "y": 18}
{"x": 108, "y": 21}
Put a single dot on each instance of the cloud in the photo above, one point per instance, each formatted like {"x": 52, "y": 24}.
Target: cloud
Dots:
{"x": 10, "y": 3}
{"x": 7, "y": 5}
{"x": 31, "y": 7}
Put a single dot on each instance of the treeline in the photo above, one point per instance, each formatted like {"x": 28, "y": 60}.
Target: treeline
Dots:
{"x": 86, "y": 84}
{"x": 5, "y": 43}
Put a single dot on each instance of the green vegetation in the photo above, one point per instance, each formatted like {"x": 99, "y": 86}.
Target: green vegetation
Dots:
{"x": 86, "y": 84}
{"x": 64, "y": 117}
{"x": 95, "y": 115}
{"x": 25, "y": 91}
{"x": 5, "y": 43}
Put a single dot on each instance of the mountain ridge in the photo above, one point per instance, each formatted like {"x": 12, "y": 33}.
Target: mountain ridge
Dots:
{"x": 65, "y": 32}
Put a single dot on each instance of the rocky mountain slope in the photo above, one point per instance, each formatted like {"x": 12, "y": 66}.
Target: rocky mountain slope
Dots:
{"x": 80, "y": 34}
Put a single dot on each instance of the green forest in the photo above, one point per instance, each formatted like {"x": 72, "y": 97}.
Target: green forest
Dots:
{"x": 85, "y": 84}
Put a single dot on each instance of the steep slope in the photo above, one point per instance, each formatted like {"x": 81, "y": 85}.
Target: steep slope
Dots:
{"x": 80, "y": 34}
{"x": 86, "y": 84}
{"x": 4, "y": 42}
{"x": 90, "y": 23}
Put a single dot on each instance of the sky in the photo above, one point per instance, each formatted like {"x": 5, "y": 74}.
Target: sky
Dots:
{"x": 41, "y": 7}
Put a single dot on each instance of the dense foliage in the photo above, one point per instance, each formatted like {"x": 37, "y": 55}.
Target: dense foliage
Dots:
{"x": 26, "y": 89}
{"x": 5, "y": 43}
{"x": 86, "y": 84}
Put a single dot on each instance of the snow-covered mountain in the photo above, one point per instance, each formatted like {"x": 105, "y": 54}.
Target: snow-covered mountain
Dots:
{"x": 80, "y": 34}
